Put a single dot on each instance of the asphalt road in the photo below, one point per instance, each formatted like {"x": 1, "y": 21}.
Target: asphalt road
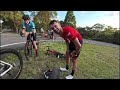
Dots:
{"x": 15, "y": 41}
{"x": 9, "y": 40}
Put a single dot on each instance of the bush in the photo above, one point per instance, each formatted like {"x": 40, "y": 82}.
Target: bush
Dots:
{"x": 105, "y": 37}
{"x": 116, "y": 37}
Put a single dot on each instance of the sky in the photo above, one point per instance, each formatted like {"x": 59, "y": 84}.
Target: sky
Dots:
{"x": 89, "y": 18}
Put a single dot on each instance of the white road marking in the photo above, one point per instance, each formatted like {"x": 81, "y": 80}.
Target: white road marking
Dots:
{"x": 23, "y": 42}
{"x": 11, "y": 44}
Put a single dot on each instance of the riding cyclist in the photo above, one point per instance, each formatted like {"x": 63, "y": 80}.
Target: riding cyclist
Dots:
{"x": 29, "y": 28}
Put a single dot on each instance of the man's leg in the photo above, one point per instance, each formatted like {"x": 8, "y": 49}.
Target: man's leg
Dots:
{"x": 35, "y": 47}
{"x": 74, "y": 60}
{"x": 67, "y": 62}
{"x": 74, "y": 68}
{"x": 34, "y": 43}
{"x": 68, "y": 54}
{"x": 27, "y": 43}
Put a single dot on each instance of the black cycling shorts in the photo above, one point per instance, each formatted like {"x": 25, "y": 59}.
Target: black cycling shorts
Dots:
{"x": 33, "y": 36}
{"x": 72, "y": 47}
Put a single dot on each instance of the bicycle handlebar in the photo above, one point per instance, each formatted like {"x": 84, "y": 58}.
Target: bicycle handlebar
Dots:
{"x": 23, "y": 35}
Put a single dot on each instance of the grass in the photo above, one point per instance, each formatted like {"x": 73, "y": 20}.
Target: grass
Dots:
{"x": 94, "y": 62}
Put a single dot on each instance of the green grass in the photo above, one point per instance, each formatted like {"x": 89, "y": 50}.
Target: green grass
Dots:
{"x": 94, "y": 62}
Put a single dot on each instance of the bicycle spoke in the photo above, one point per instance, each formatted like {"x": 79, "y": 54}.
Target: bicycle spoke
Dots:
{"x": 11, "y": 62}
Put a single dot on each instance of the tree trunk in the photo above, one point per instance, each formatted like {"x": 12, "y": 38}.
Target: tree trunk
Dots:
{"x": 14, "y": 22}
{"x": 15, "y": 28}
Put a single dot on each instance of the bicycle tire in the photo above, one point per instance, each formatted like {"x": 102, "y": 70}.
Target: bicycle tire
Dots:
{"x": 28, "y": 50}
{"x": 15, "y": 52}
{"x": 31, "y": 47}
{"x": 38, "y": 43}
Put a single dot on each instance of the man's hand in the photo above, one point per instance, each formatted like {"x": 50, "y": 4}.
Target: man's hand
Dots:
{"x": 34, "y": 31}
{"x": 22, "y": 34}
{"x": 77, "y": 45}
{"x": 27, "y": 33}
{"x": 74, "y": 55}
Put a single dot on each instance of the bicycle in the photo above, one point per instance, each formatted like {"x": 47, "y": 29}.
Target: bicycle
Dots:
{"x": 57, "y": 54}
{"x": 28, "y": 50}
{"x": 11, "y": 64}
{"x": 51, "y": 35}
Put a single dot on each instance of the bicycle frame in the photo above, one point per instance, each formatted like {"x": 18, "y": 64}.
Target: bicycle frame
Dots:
{"x": 29, "y": 45}
{"x": 6, "y": 67}
{"x": 30, "y": 39}
{"x": 57, "y": 54}
{"x": 2, "y": 63}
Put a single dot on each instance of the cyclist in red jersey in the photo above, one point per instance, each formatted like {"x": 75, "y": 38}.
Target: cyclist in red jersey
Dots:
{"x": 73, "y": 41}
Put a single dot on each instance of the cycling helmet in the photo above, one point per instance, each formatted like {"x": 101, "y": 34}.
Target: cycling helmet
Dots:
{"x": 26, "y": 17}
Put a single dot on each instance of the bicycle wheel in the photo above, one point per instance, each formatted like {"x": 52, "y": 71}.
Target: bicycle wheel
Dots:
{"x": 11, "y": 64}
{"x": 28, "y": 50}
{"x": 37, "y": 43}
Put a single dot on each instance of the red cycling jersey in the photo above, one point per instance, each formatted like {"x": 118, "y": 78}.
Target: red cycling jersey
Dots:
{"x": 70, "y": 34}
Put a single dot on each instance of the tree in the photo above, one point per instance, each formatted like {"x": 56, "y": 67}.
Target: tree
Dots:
{"x": 13, "y": 17}
{"x": 97, "y": 28}
{"x": 116, "y": 37}
{"x": 62, "y": 23}
{"x": 82, "y": 31}
{"x": 70, "y": 19}
{"x": 87, "y": 28}
{"x": 43, "y": 18}
{"x": 110, "y": 29}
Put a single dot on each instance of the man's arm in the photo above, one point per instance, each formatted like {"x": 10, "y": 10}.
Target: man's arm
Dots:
{"x": 67, "y": 44}
{"x": 33, "y": 27}
{"x": 23, "y": 28}
{"x": 77, "y": 45}
{"x": 34, "y": 30}
{"x": 67, "y": 54}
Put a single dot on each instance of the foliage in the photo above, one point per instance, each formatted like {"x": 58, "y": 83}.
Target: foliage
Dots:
{"x": 70, "y": 19}
{"x": 43, "y": 18}
{"x": 116, "y": 37}
{"x": 13, "y": 18}
{"x": 101, "y": 33}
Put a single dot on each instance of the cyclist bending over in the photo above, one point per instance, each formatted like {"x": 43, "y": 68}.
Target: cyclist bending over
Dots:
{"x": 73, "y": 41}
{"x": 29, "y": 28}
